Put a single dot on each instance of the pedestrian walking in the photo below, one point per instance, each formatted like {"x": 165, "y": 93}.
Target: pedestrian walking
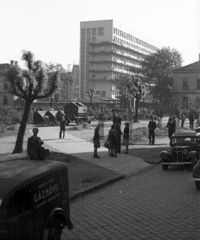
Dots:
{"x": 118, "y": 134}
{"x": 62, "y": 127}
{"x": 152, "y": 127}
{"x": 96, "y": 140}
{"x": 191, "y": 120}
{"x": 112, "y": 142}
{"x": 171, "y": 125}
{"x": 110, "y": 134}
{"x": 182, "y": 119}
{"x": 126, "y": 137}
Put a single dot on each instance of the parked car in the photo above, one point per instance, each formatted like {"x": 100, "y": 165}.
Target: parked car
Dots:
{"x": 185, "y": 150}
{"x": 34, "y": 200}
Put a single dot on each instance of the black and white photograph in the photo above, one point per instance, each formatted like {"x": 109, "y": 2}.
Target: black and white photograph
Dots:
{"x": 99, "y": 120}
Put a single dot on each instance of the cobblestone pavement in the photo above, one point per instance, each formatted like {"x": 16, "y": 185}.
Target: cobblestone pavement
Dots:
{"x": 153, "y": 205}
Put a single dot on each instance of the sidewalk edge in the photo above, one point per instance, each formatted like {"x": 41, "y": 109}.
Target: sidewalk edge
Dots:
{"x": 95, "y": 187}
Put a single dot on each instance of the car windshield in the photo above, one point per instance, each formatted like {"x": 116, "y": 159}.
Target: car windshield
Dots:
{"x": 184, "y": 140}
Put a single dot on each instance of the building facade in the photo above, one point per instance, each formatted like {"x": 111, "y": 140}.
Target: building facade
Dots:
{"x": 186, "y": 87}
{"x": 75, "y": 84}
{"x": 6, "y": 98}
{"x": 107, "y": 50}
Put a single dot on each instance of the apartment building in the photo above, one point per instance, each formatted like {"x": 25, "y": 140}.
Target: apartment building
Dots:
{"x": 6, "y": 98}
{"x": 75, "y": 87}
{"x": 107, "y": 50}
{"x": 186, "y": 86}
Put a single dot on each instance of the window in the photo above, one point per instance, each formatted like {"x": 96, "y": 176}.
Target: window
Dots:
{"x": 93, "y": 31}
{"x": 19, "y": 203}
{"x": 5, "y": 86}
{"x": 185, "y": 84}
{"x": 103, "y": 93}
{"x": 5, "y": 100}
{"x": 100, "y": 31}
{"x": 198, "y": 83}
{"x": 82, "y": 32}
{"x": 98, "y": 93}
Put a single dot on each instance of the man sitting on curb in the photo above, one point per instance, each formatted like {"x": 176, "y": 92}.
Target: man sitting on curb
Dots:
{"x": 34, "y": 144}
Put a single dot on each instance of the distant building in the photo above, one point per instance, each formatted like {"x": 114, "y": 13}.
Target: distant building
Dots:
{"x": 107, "y": 50}
{"x": 186, "y": 86}
{"x": 75, "y": 84}
{"x": 6, "y": 98}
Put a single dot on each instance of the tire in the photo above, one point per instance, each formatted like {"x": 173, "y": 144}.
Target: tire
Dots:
{"x": 164, "y": 167}
{"x": 193, "y": 163}
{"x": 55, "y": 230}
{"x": 197, "y": 184}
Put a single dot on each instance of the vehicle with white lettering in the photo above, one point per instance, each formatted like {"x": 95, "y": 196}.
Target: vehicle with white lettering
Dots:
{"x": 34, "y": 200}
{"x": 185, "y": 150}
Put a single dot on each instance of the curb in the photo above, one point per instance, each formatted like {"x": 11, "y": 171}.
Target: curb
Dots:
{"x": 95, "y": 187}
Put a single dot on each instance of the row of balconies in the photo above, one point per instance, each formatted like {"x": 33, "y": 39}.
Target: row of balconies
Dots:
{"x": 116, "y": 52}
{"x": 121, "y": 46}
{"x": 121, "y": 62}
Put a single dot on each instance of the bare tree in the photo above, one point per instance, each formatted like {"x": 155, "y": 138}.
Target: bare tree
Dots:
{"x": 91, "y": 93}
{"x": 30, "y": 84}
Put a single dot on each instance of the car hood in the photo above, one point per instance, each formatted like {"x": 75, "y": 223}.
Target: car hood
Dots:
{"x": 183, "y": 147}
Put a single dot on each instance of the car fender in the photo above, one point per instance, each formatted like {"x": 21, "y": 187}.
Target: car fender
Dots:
{"x": 196, "y": 171}
{"x": 192, "y": 154}
{"x": 164, "y": 155}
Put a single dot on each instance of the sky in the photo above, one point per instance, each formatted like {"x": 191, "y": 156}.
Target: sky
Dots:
{"x": 51, "y": 28}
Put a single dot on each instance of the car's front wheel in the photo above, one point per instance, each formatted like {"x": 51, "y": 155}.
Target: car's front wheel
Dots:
{"x": 164, "y": 167}
{"x": 193, "y": 163}
{"x": 55, "y": 230}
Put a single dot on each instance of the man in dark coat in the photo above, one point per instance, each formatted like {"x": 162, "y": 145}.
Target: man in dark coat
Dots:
{"x": 152, "y": 127}
{"x": 171, "y": 125}
{"x": 118, "y": 134}
{"x": 191, "y": 120}
{"x": 62, "y": 127}
{"x": 33, "y": 145}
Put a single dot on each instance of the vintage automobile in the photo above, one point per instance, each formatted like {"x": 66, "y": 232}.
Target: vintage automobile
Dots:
{"x": 185, "y": 150}
{"x": 34, "y": 200}
{"x": 196, "y": 175}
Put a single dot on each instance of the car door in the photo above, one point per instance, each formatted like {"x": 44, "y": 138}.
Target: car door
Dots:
{"x": 19, "y": 214}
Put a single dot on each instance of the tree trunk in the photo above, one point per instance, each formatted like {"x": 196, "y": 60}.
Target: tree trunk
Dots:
{"x": 90, "y": 101}
{"x": 22, "y": 128}
{"x": 136, "y": 110}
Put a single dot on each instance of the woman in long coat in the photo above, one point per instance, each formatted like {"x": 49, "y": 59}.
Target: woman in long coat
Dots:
{"x": 112, "y": 142}
{"x": 96, "y": 140}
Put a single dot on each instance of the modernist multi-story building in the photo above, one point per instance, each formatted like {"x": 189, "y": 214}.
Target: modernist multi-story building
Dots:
{"x": 6, "y": 98}
{"x": 107, "y": 50}
{"x": 186, "y": 86}
{"x": 75, "y": 87}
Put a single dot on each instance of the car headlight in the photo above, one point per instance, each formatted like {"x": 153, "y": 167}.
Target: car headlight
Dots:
{"x": 185, "y": 151}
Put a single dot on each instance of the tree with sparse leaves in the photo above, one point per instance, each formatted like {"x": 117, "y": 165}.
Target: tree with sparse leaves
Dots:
{"x": 157, "y": 68}
{"x": 30, "y": 84}
{"x": 65, "y": 80}
{"x": 91, "y": 93}
{"x": 137, "y": 90}
{"x": 121, "y": 92}
{"x": 130, "y": 87}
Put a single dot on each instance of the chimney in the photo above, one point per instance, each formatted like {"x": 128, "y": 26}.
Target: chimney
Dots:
{"x": 16, "y": 63}
{"x": 12, "y": 63}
